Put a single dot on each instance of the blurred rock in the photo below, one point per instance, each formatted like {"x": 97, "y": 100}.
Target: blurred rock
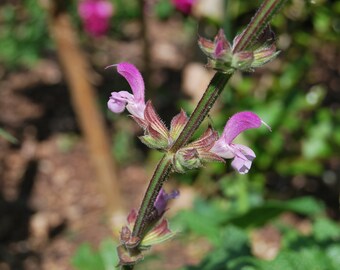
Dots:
{"x": 212, "y": 9}
{"x": 195, "y": 80}
{"x": 183, "y": 201}
{"x": 266, "y": 242}
{"x": 303, "y": 225}
{"x": 48, "y": 72}
{"x": 42, "y": 223}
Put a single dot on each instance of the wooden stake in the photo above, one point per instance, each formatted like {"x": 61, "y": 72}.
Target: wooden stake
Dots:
{"x": 77, "y": 74}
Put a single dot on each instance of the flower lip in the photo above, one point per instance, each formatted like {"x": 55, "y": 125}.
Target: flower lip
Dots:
{"x": 241, "y": 154}
{"x": 134, "y": 103}
{"x": 243, "y": 158}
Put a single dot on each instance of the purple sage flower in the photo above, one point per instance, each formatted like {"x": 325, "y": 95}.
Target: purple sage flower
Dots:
{"x": 185, "y": 6}
{"x": 162, "y": 200}
{"x": 135, "y": 102}
{"x": 95, "y": 15}
{"x": 241, "y": 154}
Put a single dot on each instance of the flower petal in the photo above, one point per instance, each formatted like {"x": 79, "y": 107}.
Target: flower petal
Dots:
{"x": 118, "y": 100}
{"x": 135, "y": 103}
{"x": 95, "y": 15}
{"x": 136, "y": 109}
{"x": 104, "y": 9}
{"x": 184, "y": 6}
{"x": 134, "y": 78}
{"x": 162, "y": 200}
{"x": 243, "y": 158}
{"x": 238, "y": 123}
{"x": 222, "y": 149}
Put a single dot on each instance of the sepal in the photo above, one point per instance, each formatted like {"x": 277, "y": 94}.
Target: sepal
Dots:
{"x": 177, "y": 125}
{"x": 154, "y": 143}
{"x": 155, "y": 126}
{"x": 206, "y": 141}
{"x": 156, "y": 134}
{"x": 159, "y": 234}
{"x": 242, "y": 60}
{"x": 195, "y": 154}
{"x": 185, "y": 159}
{"x": 127, "y": 256}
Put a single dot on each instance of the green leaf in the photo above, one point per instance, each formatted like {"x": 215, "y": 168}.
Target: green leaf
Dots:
{"x": 326, "y": 229}
{"x": 108, "y": 253}
{"x": 163, "y": 9}
{"x": 305, "y": 205}
{"x": 86, "y": 258}
{"x": 193, "y": 221}
{"x": 212, "y": 216}
{"x": 306, "y": 259}
{"x": 260, "y": 215}
{"x": 333, "y": 252}
{"x": 233, "y": 246}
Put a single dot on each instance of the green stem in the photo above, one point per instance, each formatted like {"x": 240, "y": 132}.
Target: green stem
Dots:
{"x": 160, "y": 175}
{"x": 257, "y": 24}
{"x": 209, "y": 97}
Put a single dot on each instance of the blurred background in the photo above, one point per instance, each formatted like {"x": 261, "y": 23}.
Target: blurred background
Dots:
{"x": 70, "y": 169}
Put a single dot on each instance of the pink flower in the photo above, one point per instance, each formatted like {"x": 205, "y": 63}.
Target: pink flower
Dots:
{"x": 135, "y": 102}
{"x": 184, "y": 6}
{"x": 241, "y": 154}
{"x": 95, "y": 15}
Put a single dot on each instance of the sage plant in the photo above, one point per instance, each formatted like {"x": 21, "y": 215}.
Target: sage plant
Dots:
{"x": 252, "y": 48}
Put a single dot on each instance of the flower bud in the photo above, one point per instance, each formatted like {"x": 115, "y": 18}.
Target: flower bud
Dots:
{"x": 223, "y": 57}
{"x": 186, "y": 159}
{"x": 196, "y": 153}
{"x": 130, "y": 250}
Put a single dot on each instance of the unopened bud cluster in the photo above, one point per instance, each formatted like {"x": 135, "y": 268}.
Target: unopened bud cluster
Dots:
{"x": 223, "y": 56}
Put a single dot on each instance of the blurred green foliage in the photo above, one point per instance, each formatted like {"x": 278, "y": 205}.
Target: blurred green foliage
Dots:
{"x": 104, "y": 258}
{"x": 230, "y": 235}
{"x": 23, "y": 33}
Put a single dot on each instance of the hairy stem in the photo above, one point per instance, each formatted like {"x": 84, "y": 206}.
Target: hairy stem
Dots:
{"x": 257, "y": 24}
{"x": 160, "y": 175}
{"x": 202, "y": 109}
